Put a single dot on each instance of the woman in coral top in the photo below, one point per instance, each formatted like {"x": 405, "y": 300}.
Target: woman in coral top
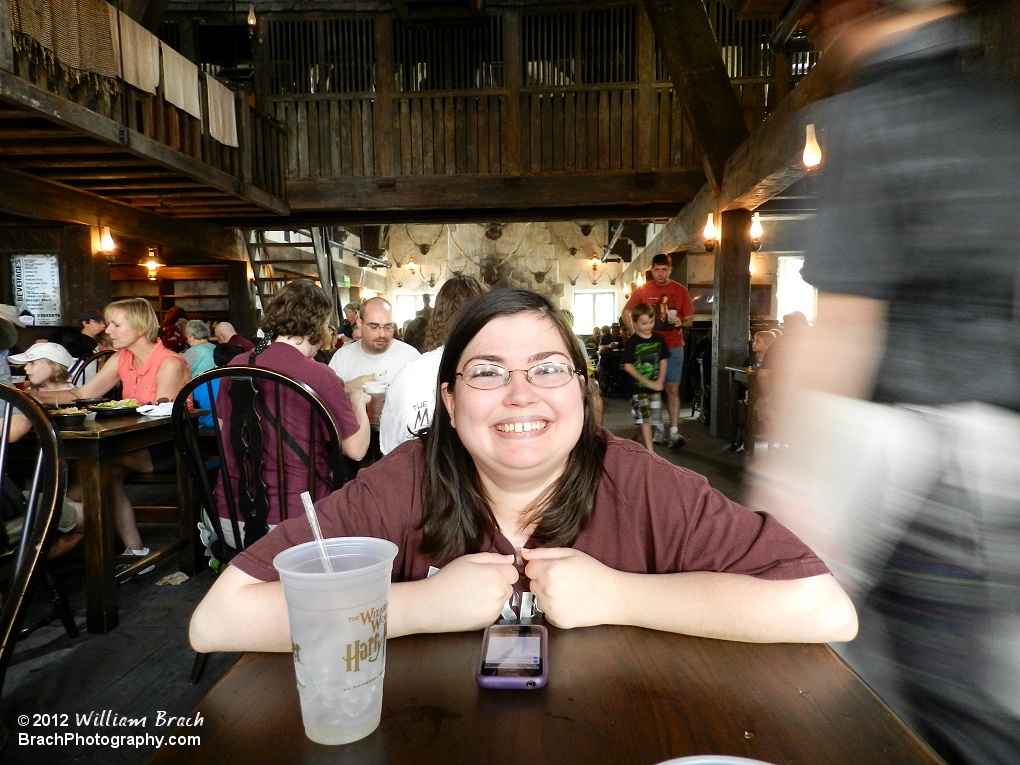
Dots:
{"x": 147, "y": 372}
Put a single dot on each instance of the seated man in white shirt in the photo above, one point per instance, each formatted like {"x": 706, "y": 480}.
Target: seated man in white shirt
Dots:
{"x": 377, "y": 355}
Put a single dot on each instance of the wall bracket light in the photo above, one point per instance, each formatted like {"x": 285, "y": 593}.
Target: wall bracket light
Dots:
{"x": 812, "y": 151}
{"x": 756, "y": 232}
{"x": 711, "y": 235}
{"x": 106, "y": 243}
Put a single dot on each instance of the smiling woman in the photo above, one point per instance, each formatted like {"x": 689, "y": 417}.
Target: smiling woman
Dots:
{"x": 516, "y": 492}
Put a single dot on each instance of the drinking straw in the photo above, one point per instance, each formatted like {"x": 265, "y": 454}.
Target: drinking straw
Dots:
{"x": 313, "y": 521}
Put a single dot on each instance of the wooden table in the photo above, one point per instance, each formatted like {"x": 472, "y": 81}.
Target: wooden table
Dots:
{"x": 93, "y": 446}
{"x": 616, "y": 695}
{"x": 748, "y": 376}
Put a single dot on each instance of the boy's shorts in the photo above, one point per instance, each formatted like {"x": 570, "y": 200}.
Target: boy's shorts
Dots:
{"x": 646, "y": 408}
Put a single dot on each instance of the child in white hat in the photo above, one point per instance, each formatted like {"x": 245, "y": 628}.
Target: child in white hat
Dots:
{"x": 46, "y": 366}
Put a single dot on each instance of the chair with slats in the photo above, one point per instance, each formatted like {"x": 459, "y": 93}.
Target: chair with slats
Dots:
{"x": 24, "y": 557}
{"x": 78, "y": 369}
{"x": 256, "y": 436}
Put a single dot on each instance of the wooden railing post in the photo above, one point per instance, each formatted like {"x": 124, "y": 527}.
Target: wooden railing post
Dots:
{"x": 245, "y": 144}
{"x": 645, "y": 93}
{"x": 512, "y": 83}
{"x": 382, "y": 112}
{"x": 6, "y": 37}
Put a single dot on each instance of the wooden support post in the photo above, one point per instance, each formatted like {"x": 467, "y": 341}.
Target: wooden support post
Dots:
{"x": 731, "y": 314}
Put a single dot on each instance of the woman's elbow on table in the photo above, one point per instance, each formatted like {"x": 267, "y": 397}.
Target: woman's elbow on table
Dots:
{"x": 833, "y": 610}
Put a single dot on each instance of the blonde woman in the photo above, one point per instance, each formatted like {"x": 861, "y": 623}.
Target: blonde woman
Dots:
{"x": 148, "y": 372}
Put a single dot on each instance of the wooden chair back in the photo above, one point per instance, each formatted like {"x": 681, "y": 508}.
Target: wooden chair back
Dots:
{"x": 77, "y": 372}
{"x": 27, "y": 554}
{"x": 263, "y": 403}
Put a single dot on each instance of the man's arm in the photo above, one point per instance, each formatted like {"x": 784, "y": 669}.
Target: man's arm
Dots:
{"x": 855, "y": 325}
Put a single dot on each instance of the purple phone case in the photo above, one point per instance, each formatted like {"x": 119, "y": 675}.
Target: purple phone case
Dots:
{"x": 515, "y": 683}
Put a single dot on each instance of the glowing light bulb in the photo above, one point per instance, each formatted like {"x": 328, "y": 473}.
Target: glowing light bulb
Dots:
{"x": 106, "y": 243}
{"x": 756, "y": 232}
{"x": 711, "y": 239}
{"x": 812, "y": 151}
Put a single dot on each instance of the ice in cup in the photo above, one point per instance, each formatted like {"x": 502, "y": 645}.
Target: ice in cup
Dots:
{"x": 377, "y": 390}
{"x": 338, "y": 633}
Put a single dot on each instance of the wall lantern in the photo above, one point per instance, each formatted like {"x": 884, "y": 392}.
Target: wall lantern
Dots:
{"x": 106, "y": 243}
{"x": 711, "y": 236}
{"x": 755, "y": 232}
{"x": 812, "y": 151}
{"x": 252, "y": 21}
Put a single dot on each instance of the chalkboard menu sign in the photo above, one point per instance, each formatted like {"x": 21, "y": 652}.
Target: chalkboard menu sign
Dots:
{"x": 36, "y": 281}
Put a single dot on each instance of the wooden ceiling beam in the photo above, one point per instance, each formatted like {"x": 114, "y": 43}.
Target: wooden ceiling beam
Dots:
{"x": 769, "y": 162}
{"x": 30, "y": 163}
{"x": 684, "y": 34}
{"x": 102, "y": 184}
{"x": 104, "y": 173}
{"x": 29, "y": 197}
{"x": 21, "y": 150}
{"x": 622, "y": 190}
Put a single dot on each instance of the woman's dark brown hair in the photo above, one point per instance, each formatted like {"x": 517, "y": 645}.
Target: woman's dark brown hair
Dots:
{"x": 456, "y": 513}
{"x": 299, "y": 309}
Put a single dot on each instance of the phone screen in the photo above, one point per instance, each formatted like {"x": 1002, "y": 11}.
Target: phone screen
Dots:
{"x": 513, "y": 651}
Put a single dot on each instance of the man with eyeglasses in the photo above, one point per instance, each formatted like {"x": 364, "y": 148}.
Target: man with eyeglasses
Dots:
{"x": 377, "y": 355}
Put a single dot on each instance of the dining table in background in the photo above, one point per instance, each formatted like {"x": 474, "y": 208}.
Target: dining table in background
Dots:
{"x": 92, "y": 447}
{"x": 616, "y": 695}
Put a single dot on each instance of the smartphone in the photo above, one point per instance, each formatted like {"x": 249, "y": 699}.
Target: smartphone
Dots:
{"x": 514, "y": 656}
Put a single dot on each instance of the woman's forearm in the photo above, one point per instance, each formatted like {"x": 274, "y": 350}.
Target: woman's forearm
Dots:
{"x": 737, "y": 607}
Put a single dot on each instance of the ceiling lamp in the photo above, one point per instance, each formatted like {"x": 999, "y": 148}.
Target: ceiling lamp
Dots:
{"x": 711, "y": 236}
{"x": 152, "y": 264}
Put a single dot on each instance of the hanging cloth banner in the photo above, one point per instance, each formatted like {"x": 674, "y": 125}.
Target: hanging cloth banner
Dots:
{"x": 139, "y": 51}
{"x": 221, "y": 112}
{"x": 180, "y": 81}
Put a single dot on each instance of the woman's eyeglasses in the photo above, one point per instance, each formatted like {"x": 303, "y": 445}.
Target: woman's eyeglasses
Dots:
{"x": 548, "y": 374}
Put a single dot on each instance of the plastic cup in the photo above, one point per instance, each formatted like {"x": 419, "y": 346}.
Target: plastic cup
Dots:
{"x": 377, "y": 390}
{"x": 671, "y": 315}
{"x": 338, "y": 632}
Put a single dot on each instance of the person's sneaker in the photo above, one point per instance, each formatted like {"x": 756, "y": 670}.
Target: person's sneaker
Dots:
{"x": 676, "y": 440}
{"x": 659, "y": 436}
{"x": 140, "y": 554}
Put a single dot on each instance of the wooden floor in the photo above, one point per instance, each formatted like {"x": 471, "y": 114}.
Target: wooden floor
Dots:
{"x": 142, "y": 668}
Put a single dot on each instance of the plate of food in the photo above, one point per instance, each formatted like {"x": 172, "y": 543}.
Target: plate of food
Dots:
{"x": 115, "y": 408}
{"x": 90, "y": 401}
{"x": 68, "y": 417}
